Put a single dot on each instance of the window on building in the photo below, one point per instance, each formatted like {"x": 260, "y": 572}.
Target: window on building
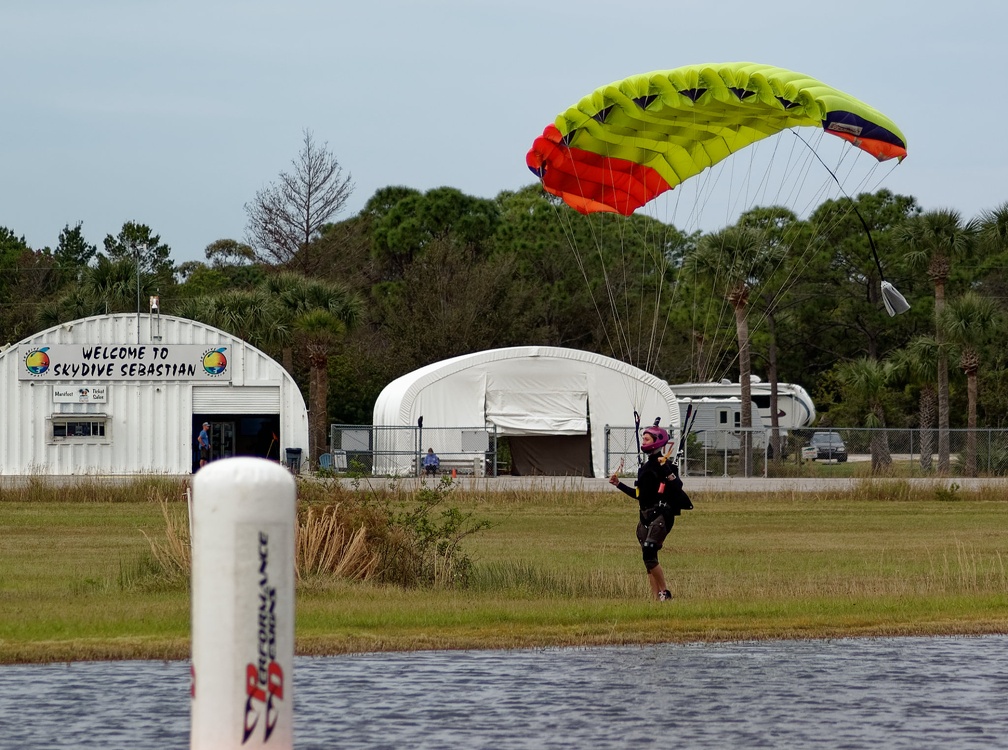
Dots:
{"x": 79, "y": 428}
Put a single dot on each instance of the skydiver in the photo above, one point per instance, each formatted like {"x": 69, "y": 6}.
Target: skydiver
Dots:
{"x": 659, "y": 492}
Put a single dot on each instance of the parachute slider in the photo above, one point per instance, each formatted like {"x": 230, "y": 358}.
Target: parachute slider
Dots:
{"x": 895, "y": 303}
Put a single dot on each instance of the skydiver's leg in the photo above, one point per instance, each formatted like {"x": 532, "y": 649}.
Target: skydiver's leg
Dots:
{"x": 656, "y": 577}
{"x": 653, "y": 542}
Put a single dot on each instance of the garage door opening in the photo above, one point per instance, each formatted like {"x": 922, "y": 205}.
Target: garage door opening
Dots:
{"x": 238, "y": 435}
{"x": 551, "y": 455}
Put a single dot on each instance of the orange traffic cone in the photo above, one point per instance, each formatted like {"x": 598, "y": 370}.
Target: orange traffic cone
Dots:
{"x": 453, "y": 473}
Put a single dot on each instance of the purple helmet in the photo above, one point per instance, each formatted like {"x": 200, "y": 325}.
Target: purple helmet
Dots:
{"x": 660, "y": 436}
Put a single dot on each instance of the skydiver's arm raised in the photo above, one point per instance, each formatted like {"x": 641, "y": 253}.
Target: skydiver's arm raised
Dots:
{"x": 615, "y": 481}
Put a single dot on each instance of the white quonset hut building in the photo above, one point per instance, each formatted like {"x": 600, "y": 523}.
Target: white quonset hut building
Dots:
{"x": 553, "y": 405}
{"x": 128, "y": 394}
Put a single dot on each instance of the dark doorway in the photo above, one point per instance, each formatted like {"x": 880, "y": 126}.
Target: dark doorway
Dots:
{"x": 238, "y": 435}
{"x": 551, "y": 455}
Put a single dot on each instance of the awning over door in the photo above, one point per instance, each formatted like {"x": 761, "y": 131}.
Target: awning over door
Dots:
{"x": 533, "y": 402}
{"x": 538, "y": 413}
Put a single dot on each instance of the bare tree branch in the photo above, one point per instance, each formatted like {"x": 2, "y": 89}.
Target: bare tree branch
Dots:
{"x": 288, "y": 214}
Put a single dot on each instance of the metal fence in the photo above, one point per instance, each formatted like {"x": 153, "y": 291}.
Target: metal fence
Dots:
{"x": 399, "y": 450}
{"x": 892, "y": 451}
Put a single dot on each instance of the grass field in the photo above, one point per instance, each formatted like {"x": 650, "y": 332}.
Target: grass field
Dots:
{"x": 78, "y": 579}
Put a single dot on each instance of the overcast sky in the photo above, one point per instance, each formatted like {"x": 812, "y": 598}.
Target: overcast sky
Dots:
{"x": 173, "y": 114}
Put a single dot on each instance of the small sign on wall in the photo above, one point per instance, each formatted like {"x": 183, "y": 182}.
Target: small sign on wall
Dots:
{"x": 84, "y": 394}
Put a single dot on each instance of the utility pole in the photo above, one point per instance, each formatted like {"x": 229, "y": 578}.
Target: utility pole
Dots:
{"x": 136, "y": 258}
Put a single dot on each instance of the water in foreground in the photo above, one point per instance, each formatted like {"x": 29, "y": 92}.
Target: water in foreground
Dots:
{"x": 892, "y": 693}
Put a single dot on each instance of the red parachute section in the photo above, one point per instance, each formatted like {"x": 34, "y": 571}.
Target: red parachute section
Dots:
{"x": 589, "y": 182}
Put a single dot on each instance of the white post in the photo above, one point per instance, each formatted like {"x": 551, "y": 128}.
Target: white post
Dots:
{"x": 244, "y": 515}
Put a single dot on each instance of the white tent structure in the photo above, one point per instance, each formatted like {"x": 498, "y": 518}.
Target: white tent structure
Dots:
{"x": 553, "y": 404}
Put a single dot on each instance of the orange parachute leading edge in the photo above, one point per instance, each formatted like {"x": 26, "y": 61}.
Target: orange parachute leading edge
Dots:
{"x": 628, "y": 142}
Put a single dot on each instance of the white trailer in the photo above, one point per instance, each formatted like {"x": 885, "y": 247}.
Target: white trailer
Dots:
{"x": 717, "y": 423}
{"x": 795, "y": 408}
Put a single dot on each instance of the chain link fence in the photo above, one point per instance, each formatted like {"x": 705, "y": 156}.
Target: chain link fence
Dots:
{"x": 833, "y": 451}
{"x": 848, "y": 451}
{"x": 399, "y": 450}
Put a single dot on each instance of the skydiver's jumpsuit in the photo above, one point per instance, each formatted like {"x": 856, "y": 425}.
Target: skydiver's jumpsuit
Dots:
{"x": 659, "y": 493}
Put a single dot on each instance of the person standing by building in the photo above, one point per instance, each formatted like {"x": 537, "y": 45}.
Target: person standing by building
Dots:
{"x": 204, "y": 444}
{"x": 659, "y": 493}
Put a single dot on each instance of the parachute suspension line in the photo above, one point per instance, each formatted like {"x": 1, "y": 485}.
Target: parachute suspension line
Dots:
{"x": 700, "y": 187}
{"x": 739, "y": 192}
{"x": 565, "y": 217}
{"x": 739, "y": 185}
{"x": 618, "y": 332}
{"x": 642, "y": 301}
{"x": 572, "y": 240}
{"x": 620, "y": 329}
{"x": 802, "y": 259}
{"x": 894, "y": 302}
{"x": 786, "y": 181}
{"x": 702, "y": 345}
{"x": 801, "y": 172}
{"x": 654, "y": 241}
{"x": 794, "y": 174}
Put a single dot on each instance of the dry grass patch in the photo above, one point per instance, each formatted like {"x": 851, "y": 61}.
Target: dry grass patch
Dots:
{"x": 326, "y": 546}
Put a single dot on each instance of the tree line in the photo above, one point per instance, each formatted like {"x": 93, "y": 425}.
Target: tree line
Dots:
{"x": 419, "y": 276}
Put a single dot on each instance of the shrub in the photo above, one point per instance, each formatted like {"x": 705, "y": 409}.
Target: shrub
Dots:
{"x": 394, "y": 536}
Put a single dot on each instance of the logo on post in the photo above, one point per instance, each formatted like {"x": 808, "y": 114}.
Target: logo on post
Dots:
{"x": 264, "y": 678}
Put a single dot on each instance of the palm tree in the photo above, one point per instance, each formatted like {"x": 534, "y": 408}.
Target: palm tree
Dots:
{"x": 866, "y": 383}
{"x": 251, "y": 315}
{"x": 918, "y": 362}
{"x": 113, "y": 282}
{"x": 299, "y": 294}
{"x": 106, "y": 287}
{"x": 270, "y": 317}
{"x": 779, "y": 227}
{"x": 736, "y": 259}
{"x": 967, "y": 322}
{"x": 993, "y": 228}
{"x": 320, "y": 330}
{"x": 319, "y": 313}
{"x": 79, "y": 302}
{"x": 932, "y": 241}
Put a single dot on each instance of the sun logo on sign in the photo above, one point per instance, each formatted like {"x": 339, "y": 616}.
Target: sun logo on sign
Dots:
{"x": 214, "y": 361}
{"x": 37, "y": 361}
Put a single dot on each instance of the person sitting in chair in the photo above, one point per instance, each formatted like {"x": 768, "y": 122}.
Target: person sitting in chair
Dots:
{"x": 431, "y": 462}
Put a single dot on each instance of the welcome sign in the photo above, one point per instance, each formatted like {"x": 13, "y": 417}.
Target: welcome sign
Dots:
{"x": 115, "y": 362}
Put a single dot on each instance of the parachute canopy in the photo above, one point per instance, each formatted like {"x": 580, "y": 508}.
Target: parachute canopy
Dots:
{"x": 634, "y": 139}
